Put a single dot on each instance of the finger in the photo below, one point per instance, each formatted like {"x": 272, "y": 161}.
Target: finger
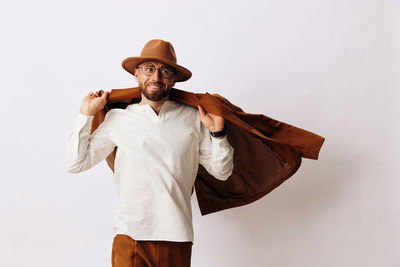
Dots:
{"x": 90, "y": 95}
{"x": 105, "y": 95}
{"x": 201, "y": 110}
{"x": 204, "y": 110}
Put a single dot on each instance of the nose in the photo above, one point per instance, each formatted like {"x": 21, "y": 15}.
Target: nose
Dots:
{"x": 156, "y": 75}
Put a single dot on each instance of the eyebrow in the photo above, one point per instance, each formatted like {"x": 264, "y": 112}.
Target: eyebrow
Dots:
{"x": 162, "y": 65}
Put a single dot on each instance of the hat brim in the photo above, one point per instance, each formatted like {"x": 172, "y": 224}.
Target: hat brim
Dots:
{"x": 130, "y": 64}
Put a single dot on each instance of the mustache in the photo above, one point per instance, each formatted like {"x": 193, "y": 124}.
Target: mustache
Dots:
{"x": 156, "y": 84}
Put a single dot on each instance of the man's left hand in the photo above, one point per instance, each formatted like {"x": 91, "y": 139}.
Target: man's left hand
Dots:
{"x": 214, "y": 123}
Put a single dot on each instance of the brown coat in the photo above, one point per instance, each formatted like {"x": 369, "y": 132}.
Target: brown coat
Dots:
{"x": 266, "y": 151}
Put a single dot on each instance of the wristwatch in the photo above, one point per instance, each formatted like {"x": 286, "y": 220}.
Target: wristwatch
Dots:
{"x": 220, "y": 133}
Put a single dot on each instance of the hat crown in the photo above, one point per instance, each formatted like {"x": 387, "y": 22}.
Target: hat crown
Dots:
{"x": 160, "y": 49}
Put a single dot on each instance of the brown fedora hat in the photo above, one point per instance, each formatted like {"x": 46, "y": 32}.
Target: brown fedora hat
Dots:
{"x": 161, "y": 51}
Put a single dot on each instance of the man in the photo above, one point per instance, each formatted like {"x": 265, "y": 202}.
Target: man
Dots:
{"x": 160, "y": 146}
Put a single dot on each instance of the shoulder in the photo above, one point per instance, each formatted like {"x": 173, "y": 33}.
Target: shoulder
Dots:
{"x": 187, "y": 110}
{"x": 184, "y": 107}
{"x": 190, "y": 116}
{"x": 113, "y": 114}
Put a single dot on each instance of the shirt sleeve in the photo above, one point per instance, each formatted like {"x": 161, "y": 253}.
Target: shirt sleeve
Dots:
{"x": 85, "y": 150}
{"x": 216, "y": 155}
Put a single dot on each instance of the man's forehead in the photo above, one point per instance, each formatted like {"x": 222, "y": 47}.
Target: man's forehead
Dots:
{"x": 155, "y": 63}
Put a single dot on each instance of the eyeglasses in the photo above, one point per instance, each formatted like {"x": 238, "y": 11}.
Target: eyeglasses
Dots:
{"x": 149, "y": 69}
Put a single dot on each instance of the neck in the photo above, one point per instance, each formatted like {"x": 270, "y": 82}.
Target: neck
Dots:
{"x": 155, "y": 105}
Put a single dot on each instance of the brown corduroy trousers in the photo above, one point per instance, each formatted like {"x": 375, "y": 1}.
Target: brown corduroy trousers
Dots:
{"x": 128, "y": 252}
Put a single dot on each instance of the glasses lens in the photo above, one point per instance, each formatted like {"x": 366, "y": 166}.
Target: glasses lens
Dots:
{"x": 166, "y": 72}
{"x": 148, "y": 69}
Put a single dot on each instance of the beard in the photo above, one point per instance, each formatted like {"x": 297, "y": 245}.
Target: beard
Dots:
{"x": 155, "y": 95}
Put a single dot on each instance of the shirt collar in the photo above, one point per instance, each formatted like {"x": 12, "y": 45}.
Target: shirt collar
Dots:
{"x": 146, "y": 107}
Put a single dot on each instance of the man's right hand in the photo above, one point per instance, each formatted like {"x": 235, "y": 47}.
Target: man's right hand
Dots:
{"x": 92, "y": 103}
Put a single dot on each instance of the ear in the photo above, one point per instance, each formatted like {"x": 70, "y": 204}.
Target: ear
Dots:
{"x": 173, "y": 81}
{"x": 136, "y": 72}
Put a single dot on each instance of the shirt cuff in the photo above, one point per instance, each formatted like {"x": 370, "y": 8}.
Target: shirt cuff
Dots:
{"x": 219, "y": 142}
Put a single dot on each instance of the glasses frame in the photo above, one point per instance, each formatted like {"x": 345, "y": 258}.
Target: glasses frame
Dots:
{"x": 156, "y": 69}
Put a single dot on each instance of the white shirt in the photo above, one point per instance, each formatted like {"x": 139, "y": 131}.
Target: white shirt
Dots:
{"x": 155, "y": 165}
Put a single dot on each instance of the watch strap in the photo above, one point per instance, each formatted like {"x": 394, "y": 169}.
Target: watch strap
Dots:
{"x": 219, "y": 133}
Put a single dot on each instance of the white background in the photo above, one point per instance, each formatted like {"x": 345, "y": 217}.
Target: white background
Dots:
{"x": 328, "y": 66}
